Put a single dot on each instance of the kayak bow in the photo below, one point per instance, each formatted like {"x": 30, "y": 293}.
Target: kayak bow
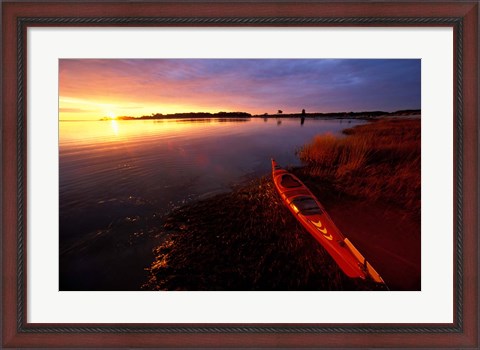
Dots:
{"x": 313, "y": 217}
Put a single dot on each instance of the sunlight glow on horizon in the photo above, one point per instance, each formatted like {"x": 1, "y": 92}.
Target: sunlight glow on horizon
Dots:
{"x": 82, "y": 109}
{"x": 92, "y": 89}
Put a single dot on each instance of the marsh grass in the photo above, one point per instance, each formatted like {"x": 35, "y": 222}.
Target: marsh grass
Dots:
{"x": 377, "y": 161}
{"x": 243, "y": 240}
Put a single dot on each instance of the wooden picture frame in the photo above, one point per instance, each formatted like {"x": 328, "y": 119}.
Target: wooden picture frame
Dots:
{"x": 18, "y": 16}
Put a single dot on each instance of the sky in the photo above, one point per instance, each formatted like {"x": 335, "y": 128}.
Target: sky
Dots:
{"x": 98, "y": 88}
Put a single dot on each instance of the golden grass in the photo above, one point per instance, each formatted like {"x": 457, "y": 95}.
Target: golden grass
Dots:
{"x": 378, "y": 161}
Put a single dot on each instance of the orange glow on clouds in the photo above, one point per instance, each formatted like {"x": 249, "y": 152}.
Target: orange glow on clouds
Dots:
{"x": 95, "y": 89}
{"x": 91, "y": 89}
{"x": 96, "y": 108}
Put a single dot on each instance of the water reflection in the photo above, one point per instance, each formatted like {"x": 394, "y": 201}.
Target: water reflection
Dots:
{"x": 114, "y": 127}
{"x": 102, "y": 159}
{"x": 212, "y": 120}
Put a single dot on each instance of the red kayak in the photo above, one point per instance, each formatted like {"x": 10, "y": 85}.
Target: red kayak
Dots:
{"x": 313, "y": 217}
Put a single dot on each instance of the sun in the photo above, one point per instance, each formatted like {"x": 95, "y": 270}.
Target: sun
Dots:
{"x": 111, "y": 115}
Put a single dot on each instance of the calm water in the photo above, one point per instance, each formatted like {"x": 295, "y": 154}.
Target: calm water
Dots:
{"x": 117, "y": 178}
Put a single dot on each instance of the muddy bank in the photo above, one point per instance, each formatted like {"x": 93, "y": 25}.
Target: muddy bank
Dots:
{"x": 243, "y": 240}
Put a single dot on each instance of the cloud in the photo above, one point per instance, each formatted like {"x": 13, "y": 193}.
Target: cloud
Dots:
{"x": 252, "y": 85}
{"x": 73, "y": 110}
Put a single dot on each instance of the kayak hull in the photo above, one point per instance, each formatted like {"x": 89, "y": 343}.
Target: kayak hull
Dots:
{"x": 310, "y": 213}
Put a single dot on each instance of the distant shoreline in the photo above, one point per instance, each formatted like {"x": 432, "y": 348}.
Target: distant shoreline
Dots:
{"x": 244, "y": 115}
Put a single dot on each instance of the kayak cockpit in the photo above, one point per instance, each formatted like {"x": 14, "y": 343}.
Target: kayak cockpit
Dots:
{"x": 306, "y": 205}
{"x": 288, "y": 181}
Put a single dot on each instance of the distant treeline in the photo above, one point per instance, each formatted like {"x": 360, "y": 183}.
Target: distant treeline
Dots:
{"x": 239, "y": 115}
{"x": 195, "y": 115}
{"x": 349, "y": 115}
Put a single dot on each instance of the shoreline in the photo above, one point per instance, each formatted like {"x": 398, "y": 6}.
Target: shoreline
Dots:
{"x": 248, "y": 240}
{"x": 260, "y": 247}
{"x": 364, "y": 115}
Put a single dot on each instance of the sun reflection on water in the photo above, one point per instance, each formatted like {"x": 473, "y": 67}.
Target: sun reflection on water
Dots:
{"x": 114, "y": 125}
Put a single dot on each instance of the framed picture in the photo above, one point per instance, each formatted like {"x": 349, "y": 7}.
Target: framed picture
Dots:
{"x": 231, "y": 174}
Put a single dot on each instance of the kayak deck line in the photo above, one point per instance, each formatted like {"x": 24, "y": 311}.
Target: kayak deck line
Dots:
{"x": 313, "y": 217}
